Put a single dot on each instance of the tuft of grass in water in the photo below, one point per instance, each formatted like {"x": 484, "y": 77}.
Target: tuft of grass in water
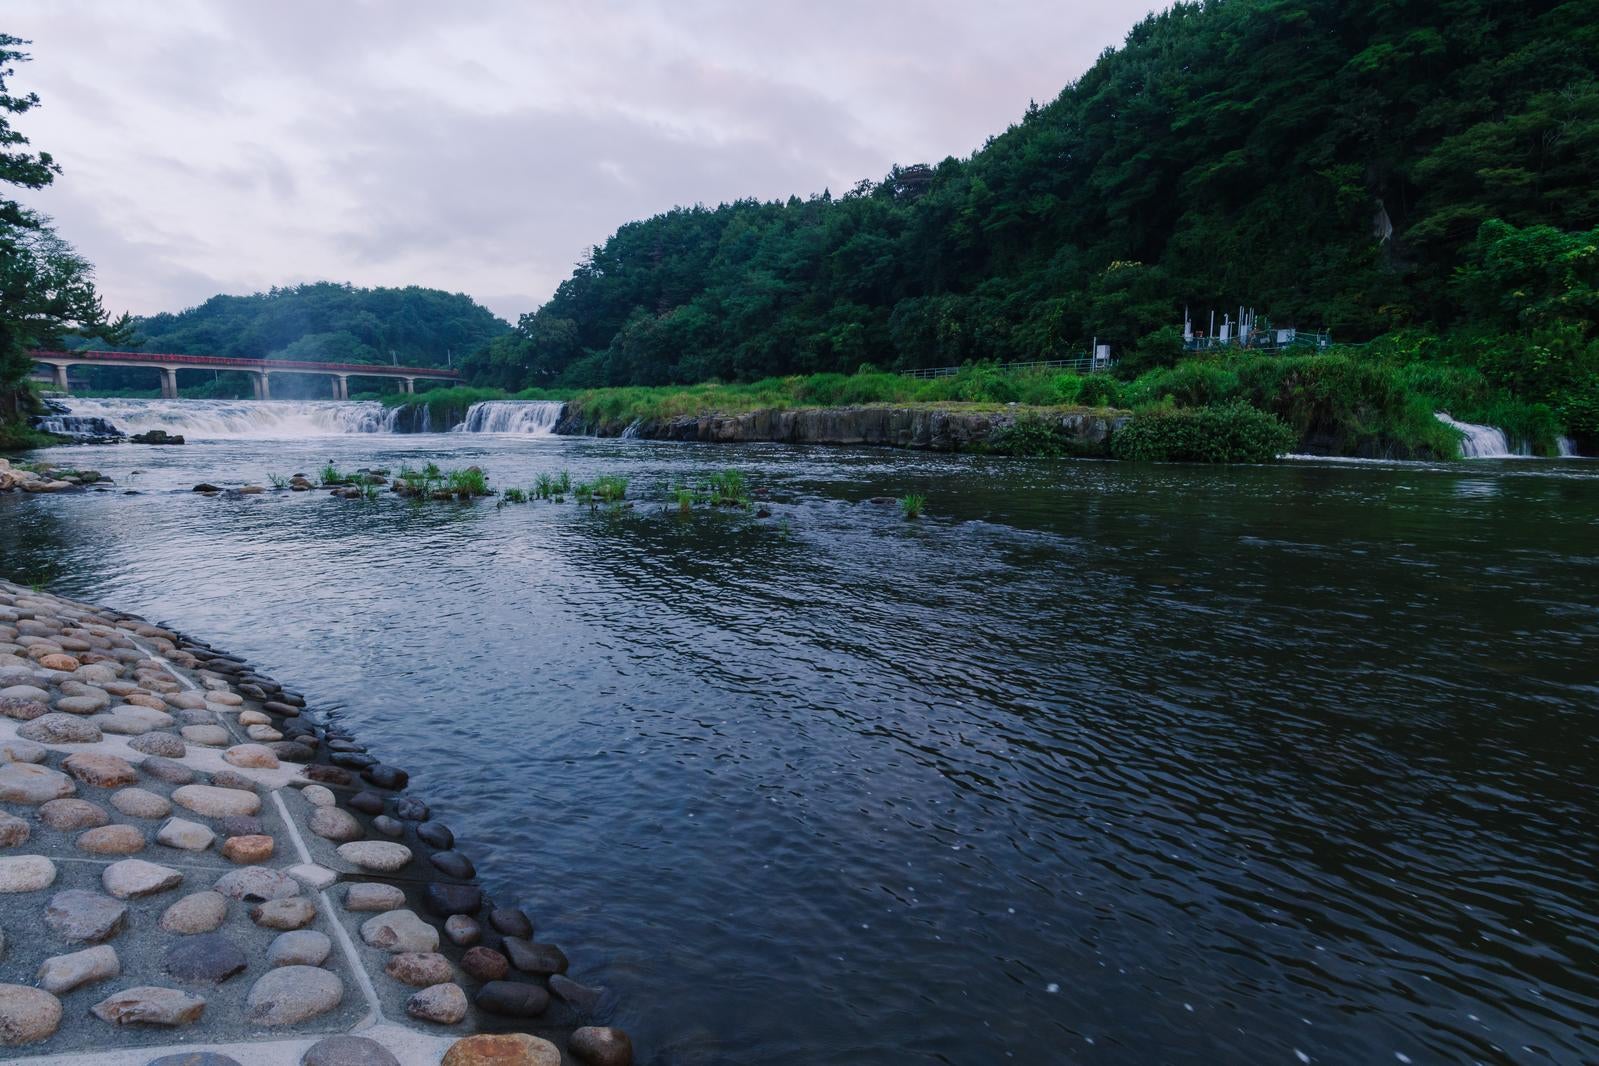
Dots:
{"x": 278, "y": 481}
{"x": 467, "y": 483}
{"x": 514, "y": 496}
{"x": 685, "y": 499}
{"x": 912, "y": 506}
{"x": 371, "y": 492}
{"x": 544, "y": 487}
{"x": 330, "y": 475}
{"x": 728, "y": 489}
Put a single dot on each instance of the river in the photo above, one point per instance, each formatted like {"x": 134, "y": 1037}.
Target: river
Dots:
{"x": 1096, "y": 762}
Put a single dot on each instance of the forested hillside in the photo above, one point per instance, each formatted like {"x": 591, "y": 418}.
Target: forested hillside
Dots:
{"x": 1365, "y": 167}
{"x": 328, "y": 322}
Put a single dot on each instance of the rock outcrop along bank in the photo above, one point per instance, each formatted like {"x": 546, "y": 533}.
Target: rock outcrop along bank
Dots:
{"x": 1077, "y": 431}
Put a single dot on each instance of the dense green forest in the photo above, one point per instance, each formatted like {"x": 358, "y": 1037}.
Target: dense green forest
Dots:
{"x": 320, "y": 322}
{"x": 1419, "y": 172}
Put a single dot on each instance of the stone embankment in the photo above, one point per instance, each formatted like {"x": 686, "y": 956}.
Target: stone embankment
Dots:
{"x": 196, "y": 870}
{"x": 932, "y": 428}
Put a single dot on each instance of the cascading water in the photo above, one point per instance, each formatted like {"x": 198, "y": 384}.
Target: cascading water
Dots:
{"x": 1482, "y": 442}
{"x": 1568, "y": 447}
{"x": 208, "y": 419}
{"x": 533, "y": 418}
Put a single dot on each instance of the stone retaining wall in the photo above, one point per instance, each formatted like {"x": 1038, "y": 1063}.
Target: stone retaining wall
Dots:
{"x": 196, "y": 870}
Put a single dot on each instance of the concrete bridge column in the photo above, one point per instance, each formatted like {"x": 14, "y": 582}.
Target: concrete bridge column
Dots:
{"x": 61, "y": 378}
{"x": 410, "y": 385}
{"x": 341, "y": 387}
{"x": 263, "y": 391}
{"x": 169, "y": 383}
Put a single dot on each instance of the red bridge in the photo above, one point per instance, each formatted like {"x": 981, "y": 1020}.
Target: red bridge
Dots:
{"x": 169, "y": 365}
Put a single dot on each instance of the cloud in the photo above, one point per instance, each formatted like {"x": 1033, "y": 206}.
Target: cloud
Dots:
{"x": 212, "y": 146}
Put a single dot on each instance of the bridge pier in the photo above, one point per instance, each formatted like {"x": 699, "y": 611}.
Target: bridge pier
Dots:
{"x": 61, "y": 379}
{"x": 169, "y": 383}
{"x": 262, "y": 387}
{"x": 341, "y": 387}
{"x": 410, "y": 386}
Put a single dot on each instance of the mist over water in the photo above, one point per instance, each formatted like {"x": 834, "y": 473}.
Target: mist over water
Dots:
{"x": 1096, "y": 763}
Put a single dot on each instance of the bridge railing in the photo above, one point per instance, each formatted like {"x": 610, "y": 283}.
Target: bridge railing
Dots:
{"x": 370, "y": 369}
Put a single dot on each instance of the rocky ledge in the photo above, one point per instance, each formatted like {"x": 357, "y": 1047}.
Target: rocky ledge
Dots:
{"x": 197, "y": 869}
{"x": 43, "y": 477}
{"x": 932, "y": 428}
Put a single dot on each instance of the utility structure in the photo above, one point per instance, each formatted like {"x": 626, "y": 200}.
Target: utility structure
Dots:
{"x": 259, "y": 369}
{"x": 1245, "y": 331}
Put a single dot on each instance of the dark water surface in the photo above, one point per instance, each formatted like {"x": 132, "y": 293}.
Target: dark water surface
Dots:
{"x": 1097, "y": 763}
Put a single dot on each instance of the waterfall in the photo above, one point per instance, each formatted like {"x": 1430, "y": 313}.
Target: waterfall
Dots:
{"x": 1482, "y": 442}
{"x": 533, "y": 418}
{"x": 1568, "y": 447}
{"x": 209, "y": 419}
{"x": 632, "y": 429}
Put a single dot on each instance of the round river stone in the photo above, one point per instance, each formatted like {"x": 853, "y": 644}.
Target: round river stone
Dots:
{"x": 204, "y": 957}
{"x": 292, "y": 994}
{"x": 27, "y": 1015}
{"x": 202, "y": 912}
{"x": 89, "y": 916}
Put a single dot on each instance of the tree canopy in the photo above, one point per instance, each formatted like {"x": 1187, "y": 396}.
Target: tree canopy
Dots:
{"x": 46, "y": 288}
{"x": 1328, "y": 163}
{"x": 328, "y": 322}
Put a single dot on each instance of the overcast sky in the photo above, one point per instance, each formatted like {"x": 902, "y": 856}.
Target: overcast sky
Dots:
{"x": 234, "y": 145}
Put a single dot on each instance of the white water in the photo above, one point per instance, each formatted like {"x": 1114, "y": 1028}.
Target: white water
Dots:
{"x": 264, "y": 419}
{"x": 1568, "y": 447}
{"x": 1482, "y": 442}
{"x": 534, "y": 418}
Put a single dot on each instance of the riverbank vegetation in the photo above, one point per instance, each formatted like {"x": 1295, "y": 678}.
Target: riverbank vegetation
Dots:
{"x": 1228, "y": 154}
{"x": 46, "y": 287}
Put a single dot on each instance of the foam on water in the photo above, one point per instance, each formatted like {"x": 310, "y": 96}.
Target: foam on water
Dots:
{"x": 219, "y": 419}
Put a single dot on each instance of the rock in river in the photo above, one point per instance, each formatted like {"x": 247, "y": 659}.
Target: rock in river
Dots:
{"x": 484, "y": 964}
{"x": 541, "y": 959}
{"x": 453, "y": 864}
{"x": 601, "y": 1046}
{"x": 513, "y": 999}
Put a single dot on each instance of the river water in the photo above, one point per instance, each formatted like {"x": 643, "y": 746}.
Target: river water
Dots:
{"x": 1097, "y": 762}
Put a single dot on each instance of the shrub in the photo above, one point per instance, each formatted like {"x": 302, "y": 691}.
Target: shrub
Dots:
{"x": 1028, "y": 436}
{"x": 1236, "y": 433}
{"x": 911, "y": 506}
